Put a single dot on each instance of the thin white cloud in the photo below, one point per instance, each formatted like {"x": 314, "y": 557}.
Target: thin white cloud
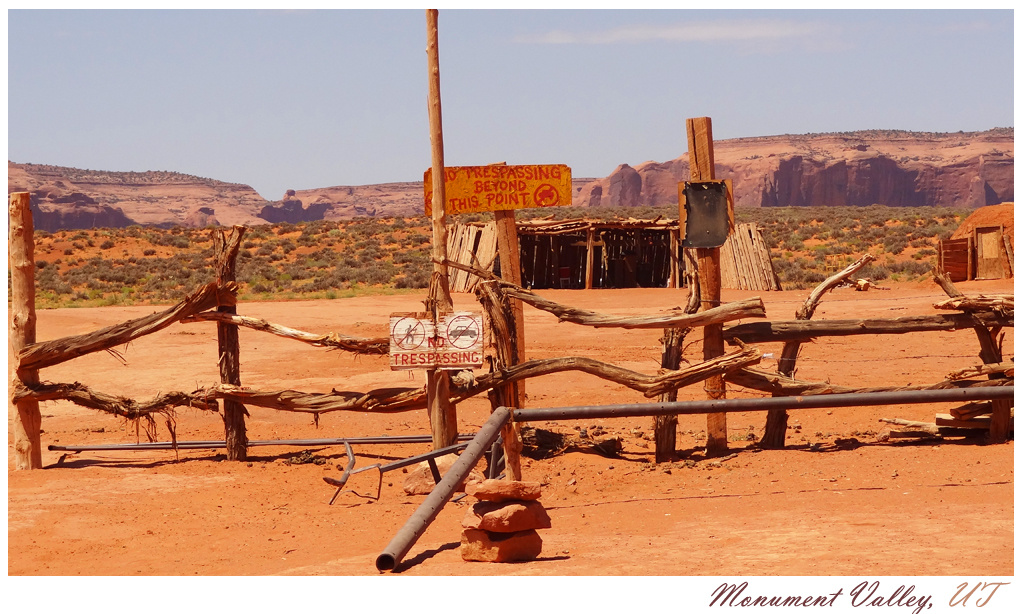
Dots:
{"x": 705, "y": 31}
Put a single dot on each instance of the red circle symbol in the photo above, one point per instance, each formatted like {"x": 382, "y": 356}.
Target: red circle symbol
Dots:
{"x": 545, "y": 195}
{"x": 409, "y": 334}
{"x": 463, "y": 332}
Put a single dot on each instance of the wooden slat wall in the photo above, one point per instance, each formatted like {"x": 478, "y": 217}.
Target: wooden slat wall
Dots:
{"x": 954, "y": 258}
{"x": 471, "y": 245}
{"x": 746, "y": 261}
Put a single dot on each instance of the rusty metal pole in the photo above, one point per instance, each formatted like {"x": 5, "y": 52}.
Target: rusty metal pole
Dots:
{"x": 403, "y": 541}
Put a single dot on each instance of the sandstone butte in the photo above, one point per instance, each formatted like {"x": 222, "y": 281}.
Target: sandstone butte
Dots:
{"x": 886, "y": 167}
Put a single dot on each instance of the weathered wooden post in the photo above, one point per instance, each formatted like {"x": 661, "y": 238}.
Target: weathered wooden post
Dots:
{"x": 702, "y": 168}
{"x": 671, "y": 359}
{"x": 28, "y": 453}
{"x": 665, "y": 426}
{"x": 443, "y": 417}
{"x": 225, "y": 249}
{"x": 496, "y": 304}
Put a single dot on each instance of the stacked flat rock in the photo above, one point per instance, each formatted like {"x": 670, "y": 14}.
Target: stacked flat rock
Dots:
{"x": 502, "y": 526}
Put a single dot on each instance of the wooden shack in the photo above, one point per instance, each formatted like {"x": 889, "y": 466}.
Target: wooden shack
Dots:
{"x": 584, "y": 254}
{"x": 982, "y": 247}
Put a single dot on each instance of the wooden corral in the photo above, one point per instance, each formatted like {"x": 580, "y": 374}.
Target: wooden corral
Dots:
{"x": 599, "y": 254}
{"x": 585, "y": 254}
{"x": 986, "y": 315}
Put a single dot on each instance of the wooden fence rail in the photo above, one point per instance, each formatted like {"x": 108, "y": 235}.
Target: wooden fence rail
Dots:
{"x": 50, "y": 353}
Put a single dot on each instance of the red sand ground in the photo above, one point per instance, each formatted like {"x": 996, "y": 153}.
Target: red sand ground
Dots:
{"x": 878, "y": 508}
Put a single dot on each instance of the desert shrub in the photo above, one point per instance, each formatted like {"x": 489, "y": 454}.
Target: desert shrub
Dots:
{"x": 416, "y": 279}
{"x": 895, "y": 244}
{"x": 793, "y": 243}
{"x": 417, "y": 238}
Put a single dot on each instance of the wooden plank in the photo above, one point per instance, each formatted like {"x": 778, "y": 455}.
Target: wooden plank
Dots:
{"x": 454, "y": 238}
{"x": 989, "y": 249}
{"x": 463, "y": 254}
{"x": 729, "y": 277}
{"x": 443, "y": 418}
{"x": 972, "y": 261}
{"x": 486, "y": 252}
{"x": 27, "y": 421}
{"x": 771, "y": 280}
{"x": 590, "y": 260}
{"x": 980, "y": 422}
{"x": 751, "y": 272}
{"x": 673, "y": 259}
{"x": 1008, "y": 247}
{"x": 971, "y": 410}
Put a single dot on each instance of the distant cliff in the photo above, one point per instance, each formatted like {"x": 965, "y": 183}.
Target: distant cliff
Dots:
{"x": 886, "y": 167}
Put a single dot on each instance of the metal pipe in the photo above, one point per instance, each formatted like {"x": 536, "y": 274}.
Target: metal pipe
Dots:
{"x": 382, "y": 469}
{"x": 431, "y": 506}
{"x": 736, "y": 405}
{"x": 213, "y": 444}
{"x": 348, "y": 472}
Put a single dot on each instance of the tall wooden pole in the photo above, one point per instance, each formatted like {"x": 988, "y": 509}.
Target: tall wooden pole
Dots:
{"x": 443, "y": 418}
{"x": 225, "y": 247}
{"x": 26, "y": 420}
{"x": 702, "y": 168}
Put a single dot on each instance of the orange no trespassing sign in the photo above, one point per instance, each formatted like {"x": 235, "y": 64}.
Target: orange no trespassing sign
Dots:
{"x": 498, "y": 187}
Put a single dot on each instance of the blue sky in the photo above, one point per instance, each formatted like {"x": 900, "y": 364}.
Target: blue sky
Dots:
{"x": 303, "y": 99}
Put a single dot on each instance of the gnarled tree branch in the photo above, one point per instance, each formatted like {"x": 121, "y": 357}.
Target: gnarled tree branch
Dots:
{"x": 357, "y": 345}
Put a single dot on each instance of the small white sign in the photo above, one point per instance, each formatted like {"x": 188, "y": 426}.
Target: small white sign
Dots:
{"x": 456, "y": 342}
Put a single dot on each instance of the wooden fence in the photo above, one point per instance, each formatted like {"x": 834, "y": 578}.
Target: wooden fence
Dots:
{"x": 215, "y": 301}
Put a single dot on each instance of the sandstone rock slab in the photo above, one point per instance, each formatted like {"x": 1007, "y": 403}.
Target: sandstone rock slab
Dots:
{"x": 504, "y": 490}
{"x": 480, "y": 545}
{"x": 506, "y": 516}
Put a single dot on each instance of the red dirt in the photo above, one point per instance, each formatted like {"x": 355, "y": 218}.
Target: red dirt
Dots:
{"x": 877, "y": 508}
